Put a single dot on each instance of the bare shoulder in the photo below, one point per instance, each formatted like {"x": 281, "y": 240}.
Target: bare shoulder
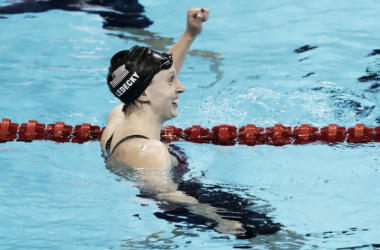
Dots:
{"x": 115, "y": 117}
{"x": 116, "y": 113}
{"x": 145, "y": 154}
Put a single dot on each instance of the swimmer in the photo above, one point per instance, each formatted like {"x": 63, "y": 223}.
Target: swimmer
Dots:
{"x": 147, "y": 83}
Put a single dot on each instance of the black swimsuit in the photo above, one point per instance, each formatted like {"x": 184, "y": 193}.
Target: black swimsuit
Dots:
{"x": 173, "y": 150}
{"x": 108, "y": 144}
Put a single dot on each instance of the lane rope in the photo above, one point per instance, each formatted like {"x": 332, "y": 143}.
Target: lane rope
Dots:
{"x": 278, "y": 135}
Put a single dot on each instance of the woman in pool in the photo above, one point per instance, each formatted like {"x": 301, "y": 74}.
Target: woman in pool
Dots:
{"x": 147, "y": 84}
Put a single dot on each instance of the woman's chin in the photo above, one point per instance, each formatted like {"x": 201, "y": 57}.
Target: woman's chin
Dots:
{"x": 174, "y": 115}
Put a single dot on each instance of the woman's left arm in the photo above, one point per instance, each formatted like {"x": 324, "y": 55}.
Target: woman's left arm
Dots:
{"x": 195, "y": 18}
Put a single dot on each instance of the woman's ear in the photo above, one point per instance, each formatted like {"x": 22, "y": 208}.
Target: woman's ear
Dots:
{"x": 143, "y": 97}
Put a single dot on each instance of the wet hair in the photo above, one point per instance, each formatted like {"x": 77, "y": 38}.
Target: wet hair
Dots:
{"x": 128, "y": 107}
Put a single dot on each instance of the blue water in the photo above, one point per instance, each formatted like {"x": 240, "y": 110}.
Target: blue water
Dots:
{"x": 244, "y": 68}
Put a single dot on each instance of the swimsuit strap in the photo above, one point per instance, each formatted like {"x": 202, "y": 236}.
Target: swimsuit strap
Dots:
{"x": 108, "y": 144}
{"x": 127, "y": 138}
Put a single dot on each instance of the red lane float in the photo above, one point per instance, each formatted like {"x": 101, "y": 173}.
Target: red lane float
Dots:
{"x": 251, "y": 135}
{"x": 59, "y": 132}
{"x": 360, "y": 133}
{"x": 376, "y": 132}
{"x": 86, "y": 132}
{"x": 278, "y": 135}
{"x": 305, "y": 134}
{"x": 171, "y": 133}
{"x": 197, "y": 134}
{"x": 8, "y": 130}
{"x": 223, "y": 135}
{"x": 31, "y": 131}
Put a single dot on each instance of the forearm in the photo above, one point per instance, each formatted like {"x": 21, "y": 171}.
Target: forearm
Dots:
{"x": 160, "y": 183}
{"x": 166, "y": 190}
{"x": 205, "y": 210}
{"x": 192, "y": 204}
{"x": 180, "y": 50}
{"x": 195, "y": 17}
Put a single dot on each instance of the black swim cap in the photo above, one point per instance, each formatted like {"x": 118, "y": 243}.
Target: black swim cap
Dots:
{"x": 132, "y": 70}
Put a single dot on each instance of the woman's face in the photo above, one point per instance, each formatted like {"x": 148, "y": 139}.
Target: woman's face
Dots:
{"x": 163, "y": 93}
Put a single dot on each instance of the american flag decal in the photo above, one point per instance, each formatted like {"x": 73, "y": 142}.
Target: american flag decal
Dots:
{"x": 118, "y": 75}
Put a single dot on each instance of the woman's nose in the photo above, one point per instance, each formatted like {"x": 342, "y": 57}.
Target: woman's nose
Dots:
{"x": 180, "y": 87}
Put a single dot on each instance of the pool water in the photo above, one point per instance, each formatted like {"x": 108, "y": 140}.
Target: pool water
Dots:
{"x": 256, "y": 62}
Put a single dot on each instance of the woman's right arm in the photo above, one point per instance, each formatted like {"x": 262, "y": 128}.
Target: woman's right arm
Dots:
{"x": 154, "y": 176}
{"x": 160, "y": 183}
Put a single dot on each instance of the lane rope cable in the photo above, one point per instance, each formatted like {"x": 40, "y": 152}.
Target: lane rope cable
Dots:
{"x": 278, "y": 135}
